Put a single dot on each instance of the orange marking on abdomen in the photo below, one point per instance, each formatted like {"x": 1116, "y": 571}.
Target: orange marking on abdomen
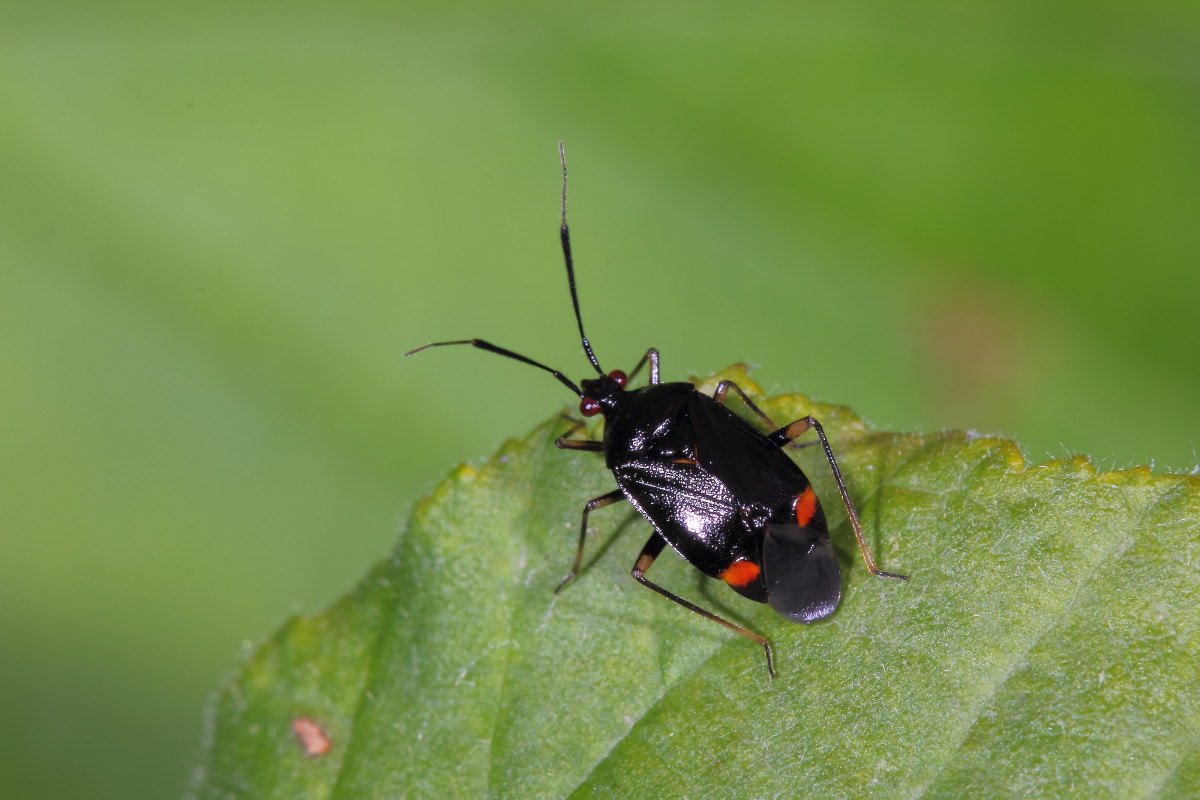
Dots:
{"x": 740, "y": 573}
{"x": 806, "y": 506}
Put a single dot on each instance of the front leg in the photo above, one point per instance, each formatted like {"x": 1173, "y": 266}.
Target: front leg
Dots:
{"x": 652, "y": 357}
{"x": 598, "y": 502}
{"x": 564, "y": 442}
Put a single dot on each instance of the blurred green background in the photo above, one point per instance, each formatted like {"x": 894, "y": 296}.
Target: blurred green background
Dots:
{"x": 221, "y": 224}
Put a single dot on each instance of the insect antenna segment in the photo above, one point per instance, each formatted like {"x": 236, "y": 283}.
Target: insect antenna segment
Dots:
{"x": 565, "y": 235}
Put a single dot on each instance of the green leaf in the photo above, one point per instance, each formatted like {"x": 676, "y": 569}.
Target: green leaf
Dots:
{"x": 1045, "y": 646}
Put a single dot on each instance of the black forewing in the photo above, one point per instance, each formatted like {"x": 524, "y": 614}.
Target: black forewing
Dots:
{"x": 750, "y": 466}
{"x": 691, "y": 509}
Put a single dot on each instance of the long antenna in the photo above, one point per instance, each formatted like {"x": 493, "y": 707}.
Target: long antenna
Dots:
{"x": 484, "y": 344}
{"x": 565, "y": 234}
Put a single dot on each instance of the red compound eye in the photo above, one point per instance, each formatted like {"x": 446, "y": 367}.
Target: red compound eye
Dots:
{"x": 620, "y": 377}
{"x": 589, "y": 407}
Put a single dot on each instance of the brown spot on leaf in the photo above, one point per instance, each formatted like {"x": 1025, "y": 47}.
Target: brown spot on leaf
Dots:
{"x": 312, "y": 738}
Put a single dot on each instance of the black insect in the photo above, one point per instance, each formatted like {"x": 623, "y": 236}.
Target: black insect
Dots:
{"x": 720, "y": 492}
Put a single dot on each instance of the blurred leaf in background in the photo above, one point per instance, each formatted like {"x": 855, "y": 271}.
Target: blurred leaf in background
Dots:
{"x": 221, "y": 225}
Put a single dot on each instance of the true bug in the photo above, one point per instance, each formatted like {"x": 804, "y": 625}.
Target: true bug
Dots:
{"x": 716, "y": 489}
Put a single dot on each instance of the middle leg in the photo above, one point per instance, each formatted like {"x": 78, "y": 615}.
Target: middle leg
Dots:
{"x": 722, "y": 393}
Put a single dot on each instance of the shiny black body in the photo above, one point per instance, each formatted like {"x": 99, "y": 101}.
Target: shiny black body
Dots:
{"x": 713, "y": 510}
{"x": 720, "y": 491}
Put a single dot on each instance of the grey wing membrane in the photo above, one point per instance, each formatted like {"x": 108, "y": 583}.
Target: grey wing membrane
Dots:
{"x": 801, "y": 572}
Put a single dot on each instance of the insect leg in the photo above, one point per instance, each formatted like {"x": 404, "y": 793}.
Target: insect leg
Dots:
{"x": 650, "y": 552}
{"x": 652, "y": 357}
{"x": 598, "y": 502}
{"x": 789, "y": 432}
{"x": 723, "y": 391}
{"x": 564, "y": 442}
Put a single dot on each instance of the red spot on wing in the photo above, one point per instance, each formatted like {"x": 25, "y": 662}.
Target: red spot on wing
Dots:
{"x": 806, "y": 506}
{"x": 740, "y": 573}
{"x": 312, "y": 738}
